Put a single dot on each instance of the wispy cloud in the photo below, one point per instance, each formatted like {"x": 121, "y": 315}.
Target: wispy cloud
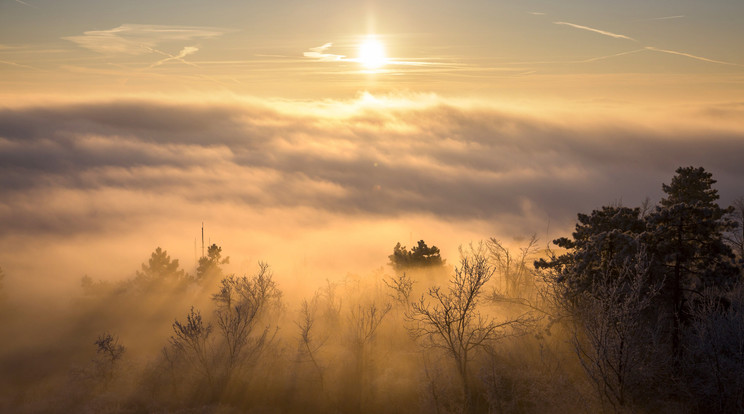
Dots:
{"x": 537, "y": 13}
{"x": 319, "y": 53}
{"x": 5, "y": 62}
{"x": 704, "y": 59}
{"x": 180, "y": 57}
{"x": 591, "y": 29}
{"x": 664, "y": 18}
{"x": 26, "y": 4}
{"x": 138, "y": 39}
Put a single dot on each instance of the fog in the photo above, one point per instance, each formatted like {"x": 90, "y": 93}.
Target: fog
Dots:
{"x": 321, "y": 192}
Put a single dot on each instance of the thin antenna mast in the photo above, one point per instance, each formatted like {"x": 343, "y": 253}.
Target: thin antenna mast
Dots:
{"x": 203, "y": 239}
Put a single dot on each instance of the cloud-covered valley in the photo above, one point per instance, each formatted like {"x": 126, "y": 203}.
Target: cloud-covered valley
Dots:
{"x": 289, "y": 177}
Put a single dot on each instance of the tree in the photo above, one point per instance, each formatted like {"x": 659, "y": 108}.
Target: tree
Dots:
{"x": 110, "y": 352}
{"x": 419, "y": 256}
{"x": 685, "y": 234}
{"x": 241, "y": 303}
{"x": 401, "y": 286}
{"x": 190, "y": 341}
{"x": 210, "y": 267}
{"x": 735, "y": 237}
{"x": 602, "y": 239}
{"x": 450, "y": 320}
{"x": 160, "y": 272}
{"x": 363, "y": 322}
{"x": 611, "y": 336}
{"x": 512, "y": 270}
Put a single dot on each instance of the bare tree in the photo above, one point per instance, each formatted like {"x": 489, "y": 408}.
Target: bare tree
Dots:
{"x": 611, "y": 336}
{"x": 513, "y": 270}
{"x": 309, "y": 345}
{"x": 241, "y": 302}
{"x": 450, "y": 320}
{"x": 110, "y": 352}
{"x": 715, "y": 352}
{"x": 363, "y": 322}
{"x": 190, "y": 340}
{"x": 401, "y": 287}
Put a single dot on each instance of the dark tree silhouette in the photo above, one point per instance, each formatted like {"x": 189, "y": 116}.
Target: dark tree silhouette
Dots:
{"x": 110, "y": 352}
{"x": 686, "y": 238}
{"x": 735, "y": 237}
{"x": 210, "y": 267}
{"x": 419, "y": 256}
{"x": 160, "y": 272}
{"x": 450, "y": 320}
{"x": 602, "y": 239}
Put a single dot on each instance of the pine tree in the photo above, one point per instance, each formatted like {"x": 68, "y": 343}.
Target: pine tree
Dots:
{"x": 685, "y": 233}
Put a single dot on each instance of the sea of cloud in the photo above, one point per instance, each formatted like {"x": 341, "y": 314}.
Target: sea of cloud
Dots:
{"x": 319, "y": 189}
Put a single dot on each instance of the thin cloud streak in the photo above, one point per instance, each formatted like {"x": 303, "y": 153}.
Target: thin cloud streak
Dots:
{"x": 26, "y": 4}
{"x": 704, "y": 59}
{"x": 663, "y": 18}
{"x": 138, "y": 39}
{"x": 188, "y": 50}
{"x": 591, "y": 29}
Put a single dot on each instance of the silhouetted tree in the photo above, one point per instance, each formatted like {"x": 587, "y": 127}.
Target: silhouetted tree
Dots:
{"x": 241, "y": 303}
{"x": 401, "y": 286}
{"x": 685, "y": 235}
{"x": 513, "y": 270}
{"x": 190, "y": 341}
{"x": 450, "y": 320}
{"x": 210, "y": 267}
{"x": 611, "y": 335}
{"x": 602, "y": 239}
{"x": 309, "y": 344}
{"x": 735, "y": 237}
{"x": 160, "y": 272}
{"x": 110, "y": 352}
{"x": 419, "y": 256}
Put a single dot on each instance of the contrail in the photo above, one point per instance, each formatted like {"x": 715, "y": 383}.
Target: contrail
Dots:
{"x": 673, "y": 52}
{"x": 602, "y": 32}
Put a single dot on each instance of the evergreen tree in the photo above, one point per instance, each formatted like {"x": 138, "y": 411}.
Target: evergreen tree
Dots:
{"x": 210, "y": 267}
{"x": 603, "y": 241}
{"x": 419, "y": 256}
{"x": 160, "y": 271}
{"x": 685, "y": 234}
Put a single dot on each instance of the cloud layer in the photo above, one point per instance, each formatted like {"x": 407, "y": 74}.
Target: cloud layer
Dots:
{"x": 278, "y": 173}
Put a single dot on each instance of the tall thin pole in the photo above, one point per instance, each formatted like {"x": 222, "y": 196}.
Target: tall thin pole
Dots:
{"x": 203, "y": 239}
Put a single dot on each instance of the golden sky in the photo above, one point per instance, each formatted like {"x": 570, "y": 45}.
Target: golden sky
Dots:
{"x": 316, "y": 135}
{"x": 581, "y": 50}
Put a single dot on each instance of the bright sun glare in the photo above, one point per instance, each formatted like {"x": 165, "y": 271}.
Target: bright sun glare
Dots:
{"x": 372, "y": 54}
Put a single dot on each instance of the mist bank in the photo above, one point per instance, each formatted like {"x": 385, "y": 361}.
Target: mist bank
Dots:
{"x": 325, "y": 186}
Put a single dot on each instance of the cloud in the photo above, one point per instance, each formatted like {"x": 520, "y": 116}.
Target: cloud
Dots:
{"x": 138, "y": 39}
{"x": 92, "y": 188}
{"x": 664, "y": 18}
{"x": 26, "y": 4}
{"x": 437, "y": 159}
{"x": 602, "y": 32}
{"x": 319, "y": 54}
{"x": 180, "y": 57}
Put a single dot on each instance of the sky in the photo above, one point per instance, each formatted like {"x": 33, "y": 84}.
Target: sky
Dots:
{"x": 316, "y": 135}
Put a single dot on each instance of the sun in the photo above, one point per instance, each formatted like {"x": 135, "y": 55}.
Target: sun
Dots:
{"x": 372, "y": 53}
